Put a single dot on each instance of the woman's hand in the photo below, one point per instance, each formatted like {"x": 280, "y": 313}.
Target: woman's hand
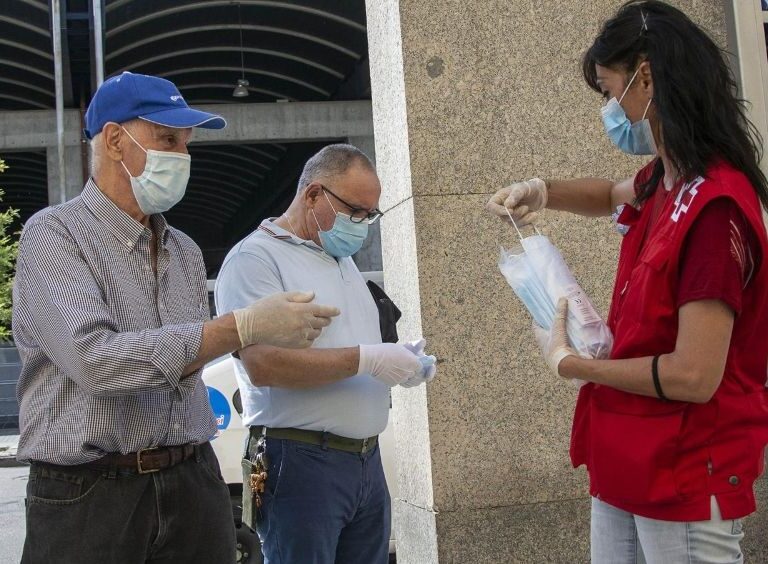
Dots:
{"x": 554, "y": 344}
{"x": 521, "y": 201}
{"x": 692, "y": 372}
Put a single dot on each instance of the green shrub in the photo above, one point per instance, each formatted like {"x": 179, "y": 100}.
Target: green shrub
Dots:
{"x": 9, "y": 248}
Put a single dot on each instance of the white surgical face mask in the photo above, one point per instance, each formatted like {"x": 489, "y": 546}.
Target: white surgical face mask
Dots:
{"x": 163, "y": 182}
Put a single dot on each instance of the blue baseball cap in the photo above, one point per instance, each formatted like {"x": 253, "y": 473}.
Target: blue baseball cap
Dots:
{"x": 129, "y": 96}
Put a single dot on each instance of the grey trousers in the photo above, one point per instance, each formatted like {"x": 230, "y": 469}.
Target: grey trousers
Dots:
{"x": 82, "y": 515}
{"x": 619, "y": 537}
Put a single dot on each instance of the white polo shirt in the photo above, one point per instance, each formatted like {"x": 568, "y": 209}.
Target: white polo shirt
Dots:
{"x": 272, "y": 260}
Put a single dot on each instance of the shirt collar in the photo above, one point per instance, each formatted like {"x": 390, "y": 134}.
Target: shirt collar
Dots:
{"x": 125, "y": 229}
{"x": 271, "y": 228}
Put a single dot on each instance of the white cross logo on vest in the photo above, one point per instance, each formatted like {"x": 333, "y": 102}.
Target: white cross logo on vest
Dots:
{"x": 688, "y": 193}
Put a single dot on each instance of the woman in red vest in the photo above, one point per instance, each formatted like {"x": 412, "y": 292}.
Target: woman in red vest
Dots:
{"x": 673, "y": 426}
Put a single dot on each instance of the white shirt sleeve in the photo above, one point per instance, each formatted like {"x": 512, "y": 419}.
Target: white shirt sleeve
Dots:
{"x": 243, "y": 279}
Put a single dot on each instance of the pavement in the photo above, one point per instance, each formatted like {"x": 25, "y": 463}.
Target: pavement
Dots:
{"x": 13, "y": 484}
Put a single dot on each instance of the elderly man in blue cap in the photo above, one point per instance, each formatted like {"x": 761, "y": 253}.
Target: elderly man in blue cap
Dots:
{"x": 111, "y": 319}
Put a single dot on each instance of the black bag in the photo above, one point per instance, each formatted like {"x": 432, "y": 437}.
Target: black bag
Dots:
{"x": 389, "y": 314}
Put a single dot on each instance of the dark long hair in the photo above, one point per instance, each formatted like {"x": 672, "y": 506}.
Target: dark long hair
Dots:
{"x": 694, "y": 91}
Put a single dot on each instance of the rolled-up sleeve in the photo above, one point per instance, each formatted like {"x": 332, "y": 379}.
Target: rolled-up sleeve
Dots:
{"x": 63, "y": 308}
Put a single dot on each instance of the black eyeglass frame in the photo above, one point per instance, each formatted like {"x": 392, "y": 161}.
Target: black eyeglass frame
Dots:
{"x": 371, "y": 216}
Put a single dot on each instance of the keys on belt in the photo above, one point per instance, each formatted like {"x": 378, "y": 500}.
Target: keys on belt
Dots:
{"x": 258, "y": 480}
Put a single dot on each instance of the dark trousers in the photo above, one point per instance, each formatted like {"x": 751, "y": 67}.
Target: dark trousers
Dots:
{"x": 81, "y": 515}
{"x": 323, "y": 506}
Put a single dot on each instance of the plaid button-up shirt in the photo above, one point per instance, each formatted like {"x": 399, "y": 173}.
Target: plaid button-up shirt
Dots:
{"x": 103, "y": 340}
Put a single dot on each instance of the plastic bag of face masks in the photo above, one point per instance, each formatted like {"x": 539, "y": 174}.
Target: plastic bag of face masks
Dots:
{"x": 539, "y": 276}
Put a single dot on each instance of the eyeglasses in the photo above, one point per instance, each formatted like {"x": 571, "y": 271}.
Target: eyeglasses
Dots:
{"x": 358, "y": 215}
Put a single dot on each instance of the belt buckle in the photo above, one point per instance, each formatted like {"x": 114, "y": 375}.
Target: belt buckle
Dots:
{"x": 365, "y": 446}
{"x": 138, "y": 461}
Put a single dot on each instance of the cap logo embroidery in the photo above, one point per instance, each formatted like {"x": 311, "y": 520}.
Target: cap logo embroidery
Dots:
{"x": 176, "y": 98}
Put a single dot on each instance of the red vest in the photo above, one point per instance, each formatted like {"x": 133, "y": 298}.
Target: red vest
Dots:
{"x": 663, "y": 460}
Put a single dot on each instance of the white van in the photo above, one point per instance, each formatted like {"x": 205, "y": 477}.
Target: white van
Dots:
{"x": 229, "y": 441}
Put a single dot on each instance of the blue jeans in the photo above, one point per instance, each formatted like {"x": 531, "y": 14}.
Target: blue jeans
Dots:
{"x": 619, "y": 537}
{"x": 323, "y": 506}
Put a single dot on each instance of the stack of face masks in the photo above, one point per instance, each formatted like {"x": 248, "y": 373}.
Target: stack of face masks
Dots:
{"x": 539, "y": 276}
{"x": 428, "y": 364}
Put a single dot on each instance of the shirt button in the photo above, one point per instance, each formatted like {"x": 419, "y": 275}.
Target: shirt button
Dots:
{"x": 733, "y": 480}
{"x": 176, "y": 426}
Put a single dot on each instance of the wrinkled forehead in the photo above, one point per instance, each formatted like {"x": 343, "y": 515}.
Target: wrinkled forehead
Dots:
{"x": 359, "y": 185}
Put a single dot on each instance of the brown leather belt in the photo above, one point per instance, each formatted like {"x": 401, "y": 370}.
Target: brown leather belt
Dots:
{"x": 147, "y": 460}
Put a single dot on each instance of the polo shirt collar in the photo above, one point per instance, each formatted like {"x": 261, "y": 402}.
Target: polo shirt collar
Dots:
{"x": 125, "y": 229}
{"x": 271, "y": 228}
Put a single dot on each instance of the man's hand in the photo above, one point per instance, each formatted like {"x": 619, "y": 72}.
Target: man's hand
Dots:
{"x": 554, "y": 344}
{"x": 391, "y": 363}
{"x": 520, "y": 200}
{"x": 286, "y": 320}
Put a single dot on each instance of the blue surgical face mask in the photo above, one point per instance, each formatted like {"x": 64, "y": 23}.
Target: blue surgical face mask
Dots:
{"x": 163, "y": 182}
{"x": 632, "y": 138}
{"x": 345, "y": 237}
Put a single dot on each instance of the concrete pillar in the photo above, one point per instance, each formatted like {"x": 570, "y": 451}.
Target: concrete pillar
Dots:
{"x": 468, "y": 96}
{"x": 369, "y": 257}
{"x": 73, "y": 162}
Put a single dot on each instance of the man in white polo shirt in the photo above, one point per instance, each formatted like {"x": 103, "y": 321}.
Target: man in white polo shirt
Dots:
{"x": 315, "y": 414}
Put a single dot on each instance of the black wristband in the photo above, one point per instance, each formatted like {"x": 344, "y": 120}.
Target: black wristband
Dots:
{"x": 655, "y": 374}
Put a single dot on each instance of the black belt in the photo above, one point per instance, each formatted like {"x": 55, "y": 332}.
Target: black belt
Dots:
{"x": 319, "y": 438}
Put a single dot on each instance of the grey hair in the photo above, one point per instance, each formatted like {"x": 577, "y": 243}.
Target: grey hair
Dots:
{"x": 330, "y": 161}
{"x": 96, "y": 147}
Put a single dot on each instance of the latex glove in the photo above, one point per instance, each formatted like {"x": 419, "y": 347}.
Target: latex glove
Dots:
{"x": 520, "y": 200}
{"x": 429, "y": 369}
{"x": 416, "y": 347}
{"x": 286, "y": 320}
{"x": 390, "y": 363}
{"x": 554, "y": 344}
